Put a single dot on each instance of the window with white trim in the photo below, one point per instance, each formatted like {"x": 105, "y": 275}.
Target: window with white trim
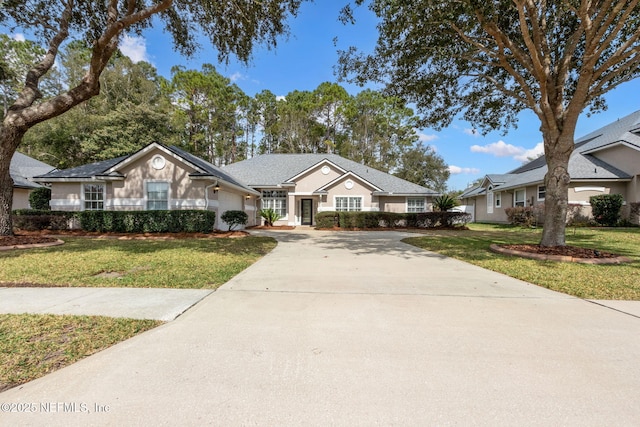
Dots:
{"x": 157, "y": 196}
{"x": 519, "y": 198}
{"x": 415, "y": 204}
{"x": 93, "y": 197}
{"x": 542, "y": 192}
{"x": 344, "y": 203}
{"x": 498, "y": 199}
{"x": 276, "y": 200}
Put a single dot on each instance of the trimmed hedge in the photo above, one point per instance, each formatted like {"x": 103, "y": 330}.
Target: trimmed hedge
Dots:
{"x": 33, "y": 219}
{"x": 189, "y": 221}
{"x": 162, "y": 221}
{"x": 365, "y": 220}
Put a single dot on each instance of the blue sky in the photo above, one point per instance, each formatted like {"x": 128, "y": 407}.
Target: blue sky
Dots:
{"x": 308, "y": 56}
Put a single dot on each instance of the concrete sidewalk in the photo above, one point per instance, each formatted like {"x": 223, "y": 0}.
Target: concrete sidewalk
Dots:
{"x": 135, "y": 303}
{"x": 357, "y": 329}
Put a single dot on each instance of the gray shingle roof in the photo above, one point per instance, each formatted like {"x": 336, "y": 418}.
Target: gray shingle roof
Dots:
{"x": 23, "y": 167}
{"x": 582, "y": 164}
{"x": 85, "y": 171}
{"x": 99, "y": 169}
{"x": 270, "y": 170}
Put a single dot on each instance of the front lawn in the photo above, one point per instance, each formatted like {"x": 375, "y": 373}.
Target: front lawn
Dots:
{"x": 607, "y": 282}
{"x": 153, "y": 263}
{"x": 33, "y": 345}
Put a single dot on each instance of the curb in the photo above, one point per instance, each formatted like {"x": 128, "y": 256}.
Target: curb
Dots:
{"x": 35, "y": 245}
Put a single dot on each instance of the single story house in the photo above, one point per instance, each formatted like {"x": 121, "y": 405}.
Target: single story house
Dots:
{"x": 156, "y": 177}
{"x": 22, "y": 169}
{"x": 606, "y": 161}
{"x": 297, "y": 186}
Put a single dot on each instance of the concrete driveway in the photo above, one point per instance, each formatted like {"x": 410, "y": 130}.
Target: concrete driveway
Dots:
{"x": 354, "y": 329}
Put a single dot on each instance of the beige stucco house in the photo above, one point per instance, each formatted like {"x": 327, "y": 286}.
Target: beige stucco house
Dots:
{"x": 22, "y": 169}
{"x": 297, "y": 186}
{"x": 606, "y": 161}
{"x": 155, "y": 178}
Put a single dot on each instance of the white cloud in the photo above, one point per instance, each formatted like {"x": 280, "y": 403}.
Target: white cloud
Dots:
{"x": 498, "y": 149}
{"x": 19, "y": 37}
{"x": 236, "y": 76}
{"x": 531, "y": 153}
{"x": 472, "y": 132}
{"x": 502, "y": 149}
{"x": 456, "y": 170}
{"x": 423, "y": 137}
{"x": 135, "y": 48}
{"x": 281, "y": 98}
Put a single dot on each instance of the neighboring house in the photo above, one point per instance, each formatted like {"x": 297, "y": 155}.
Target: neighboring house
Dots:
{"x": 298, "y": 186}
{"x": 606, "y": 161}
{"x": 156, "y": 177}
{"x": 22, "y": 169}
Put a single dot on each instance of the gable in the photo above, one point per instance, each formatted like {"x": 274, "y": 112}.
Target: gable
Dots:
{"x": 350, "y": 182}
{"x": 316, "y": 177}
{"x": 623, "y": 156}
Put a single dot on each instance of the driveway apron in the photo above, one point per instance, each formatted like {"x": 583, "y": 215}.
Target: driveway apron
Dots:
{"x": 355, "y": 328}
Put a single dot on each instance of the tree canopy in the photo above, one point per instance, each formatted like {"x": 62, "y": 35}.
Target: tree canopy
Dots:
{"x": 488, "y": 61}
{"x": 231, "y": 27}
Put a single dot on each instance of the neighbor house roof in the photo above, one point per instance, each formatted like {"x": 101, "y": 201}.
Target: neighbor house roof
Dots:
{"x": 23, "y": 168}
{"x": 583, "y": 164}
{"x": 273, "y": 170}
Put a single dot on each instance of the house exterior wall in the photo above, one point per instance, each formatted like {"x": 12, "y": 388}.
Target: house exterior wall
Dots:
{"x": 20, "y": 198}
{"x": 184, "y": 193}
{"x": 316, "y": 178}
{"x": 342, "y": 188}
{"x": 624, "y": 158}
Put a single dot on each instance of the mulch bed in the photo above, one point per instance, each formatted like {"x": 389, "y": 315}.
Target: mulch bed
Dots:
{"x": 571, "y": 251}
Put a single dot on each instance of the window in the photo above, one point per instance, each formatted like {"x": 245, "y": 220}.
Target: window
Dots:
{"x": 498, "y": 198}
{"x": 276, "y": 200}
{"x": 415, "y": 205}
{"x": 348, "y": 203}
{"x": 93, "y": 197}
{"x": 157, "y": 196}
{"x": 519, "y": 198}
{"x": 542, "y": 192}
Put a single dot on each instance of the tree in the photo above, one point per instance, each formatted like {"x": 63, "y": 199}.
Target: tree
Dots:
{"x": 424, "y": 166}
{"x": 490, "y": 60}
{"x": 232, "y": 28}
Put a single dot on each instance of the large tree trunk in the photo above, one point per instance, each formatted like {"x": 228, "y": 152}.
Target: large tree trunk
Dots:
{"x": 9, "y": 140}
{"x": 557, "y": 182}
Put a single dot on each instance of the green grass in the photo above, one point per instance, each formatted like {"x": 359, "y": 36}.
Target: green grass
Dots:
{"x": 34, "y": 345}
{"x": 175, "y": 263}
{"x": 608, "y": 282}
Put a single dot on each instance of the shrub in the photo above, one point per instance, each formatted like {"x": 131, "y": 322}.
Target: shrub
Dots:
{"x": 234, "y": 218}
{"x": 270, "y": 216}
{"x": 606, "y": 208}
{"x": 161, "y": 221}
{"x": 39, "y": 199}
{"x": 634, "y": 213}
{"x": 32, "y": 219}
{"x": 444, "y": 203}
{"x": 327, "y": 220}
{"x": 521, "y": 215}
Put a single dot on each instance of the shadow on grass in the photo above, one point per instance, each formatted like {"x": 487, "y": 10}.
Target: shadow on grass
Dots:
{"x": 224, "y": 246}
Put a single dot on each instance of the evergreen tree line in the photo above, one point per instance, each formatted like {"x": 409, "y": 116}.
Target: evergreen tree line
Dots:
{"x": 208, "y": 115}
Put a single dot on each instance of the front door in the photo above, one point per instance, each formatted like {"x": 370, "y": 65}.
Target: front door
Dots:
{"x": 307, "y": 211}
